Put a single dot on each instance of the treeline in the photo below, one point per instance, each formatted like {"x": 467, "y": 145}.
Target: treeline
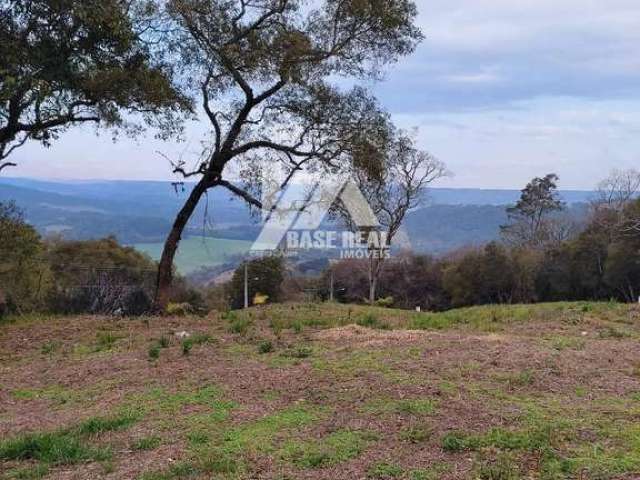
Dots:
{"x": 58, "y": 276}
{"x": 544, "y": 256}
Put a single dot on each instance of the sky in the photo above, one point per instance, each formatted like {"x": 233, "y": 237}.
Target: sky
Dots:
{"x": 500, "y": 90}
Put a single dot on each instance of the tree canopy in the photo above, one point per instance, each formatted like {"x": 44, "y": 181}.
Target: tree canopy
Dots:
{"x": 66, "y": 62}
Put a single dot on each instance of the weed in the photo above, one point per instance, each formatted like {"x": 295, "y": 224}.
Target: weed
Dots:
{"x": 298, "y": 352}
{"x": 265, "y": 346}
{"x": 154, "y": 352}
{"x": 521, "y": 379}
{"x": 454, "y": 442}
{"x": 612, "y": 333}
{"x": 384, "y": 471}
{"x": 503, "y": 468}
{"x": 335, "y": 448}
{"x": 98, "y": 425}
{"x": 34, "y": 472}
{"x": 177, "y": 471}
{"x": 408, "y": 406}
{"x": 105, "y": 341}
{"x": 572, "y": 343}
{"x": 147, "y": 443}
{"x": 240, "y": 326}
{"x": 163, "y": 342}
{"x": 195, "y": 339}
{"x": 297, "y": 326}
{"x": 369, "y": 320}
{"x": 414, "y": 434}
{"x": 49, "y": 347}
{"x": 55, "y": 448}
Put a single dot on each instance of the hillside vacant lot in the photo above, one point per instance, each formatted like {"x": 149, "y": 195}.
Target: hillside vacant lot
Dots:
{"x": 325, "y": 392}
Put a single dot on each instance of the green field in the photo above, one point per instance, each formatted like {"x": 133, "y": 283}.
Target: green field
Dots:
{"x": 197, "y": 252}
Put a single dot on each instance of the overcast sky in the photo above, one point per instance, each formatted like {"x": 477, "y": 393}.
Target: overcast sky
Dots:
{"x": 501, "y": 90}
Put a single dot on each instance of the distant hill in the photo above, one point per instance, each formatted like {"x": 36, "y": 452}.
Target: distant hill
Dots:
{"x": 142, "y": 212}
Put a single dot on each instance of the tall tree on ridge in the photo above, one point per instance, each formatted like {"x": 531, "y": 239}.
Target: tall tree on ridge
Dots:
{"x": 263, "y": 70}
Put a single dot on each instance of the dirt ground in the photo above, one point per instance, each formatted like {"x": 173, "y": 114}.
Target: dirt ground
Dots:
{"x": 312, "y": 392}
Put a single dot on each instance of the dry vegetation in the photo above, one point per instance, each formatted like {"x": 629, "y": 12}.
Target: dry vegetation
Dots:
{"x": 550, "y": 391}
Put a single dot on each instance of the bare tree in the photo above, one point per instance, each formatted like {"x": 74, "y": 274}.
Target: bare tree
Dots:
{"x": 391, "y": 191}
{"x": 618, "y": 189}
{"x": 610, "y": 208}
{"x": 262, "y": 70}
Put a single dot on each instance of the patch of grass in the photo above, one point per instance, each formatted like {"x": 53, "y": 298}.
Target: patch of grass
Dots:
{"x": 195, "y": 339}
{"x": 612, "y": 333}
{"x": 407, "y": 406}
{"x": 369, "y": 320}
{"x": 265, "y": 346}
{"x": 98, "y": 425}
{"x": 384, "y": 471}
{"x": 300, "y": 351}
{"x": 178, "y": 471}
{"x": 572, "y": 343}
{"x": 520, "y": 379}
{"x": 434, "y": 472}
{"x": 154, "y": 352}
{"x": 49, "y": 347}
{"x": 55, "y": 393}
{"x": 333, "y": 449}
{"x": 240, "y": 326}
{"x": 105, "y": 341}
{"x": 454, "y": 442}
{"x": 228, "y": 449}
{"x": 414, "y": 434}
{"x": 504, "y": 467}
{"x": 147, "y": 443}
{"x": 210, "y": 396}
{"x": 34, "y": 472}
{"x": 63, "y": 447}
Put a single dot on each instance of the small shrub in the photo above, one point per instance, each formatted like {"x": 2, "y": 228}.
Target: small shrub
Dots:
{"x": 187, "y": 345}
{"x": 195, "y": 339}
{"x": 154, "y": 352}
{"x": 385, "y": 302}
{"x": 454, "y": 442}
{"x": 265, "y": 346}
{"x": 240, "y": 326}
{"x": 163, "y": 342}
{"x": 179, "y": 309}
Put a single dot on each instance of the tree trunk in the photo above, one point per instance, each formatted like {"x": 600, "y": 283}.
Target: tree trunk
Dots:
{"x": 165, "y": 268}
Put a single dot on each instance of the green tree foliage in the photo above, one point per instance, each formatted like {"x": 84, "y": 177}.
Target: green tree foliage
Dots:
{"x": 66, "y": 62}
{"x": 265, "y": 276}
{"x": 24, "y": 275}
{"x": 100, "y": 276}
{"x": 530, "y": 221}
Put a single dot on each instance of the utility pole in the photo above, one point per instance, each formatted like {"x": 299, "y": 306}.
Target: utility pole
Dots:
{"x": 246, "y": 285}
{"x": 331, "y": 285}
